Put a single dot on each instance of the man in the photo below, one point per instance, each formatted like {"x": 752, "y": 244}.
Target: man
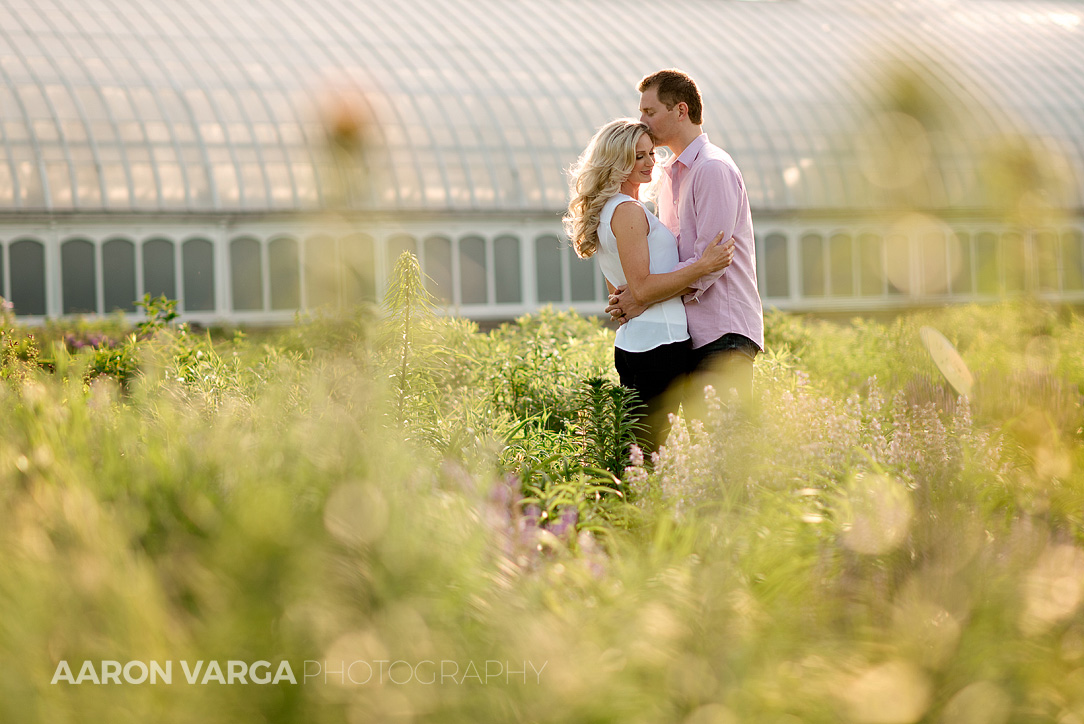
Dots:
{"x": 701, "y": 192}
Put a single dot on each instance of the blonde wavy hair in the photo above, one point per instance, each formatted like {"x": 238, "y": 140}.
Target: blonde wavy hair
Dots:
{"x": 597, "y": 177}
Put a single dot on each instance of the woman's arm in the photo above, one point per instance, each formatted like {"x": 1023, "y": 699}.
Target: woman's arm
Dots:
{"x": 630, "y": 226}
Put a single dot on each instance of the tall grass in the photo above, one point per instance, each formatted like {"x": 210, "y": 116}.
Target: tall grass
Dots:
{"x": 865, "y": 548}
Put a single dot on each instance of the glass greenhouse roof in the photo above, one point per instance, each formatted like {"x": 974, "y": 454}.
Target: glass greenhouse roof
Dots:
{"x": 210, "y": 106}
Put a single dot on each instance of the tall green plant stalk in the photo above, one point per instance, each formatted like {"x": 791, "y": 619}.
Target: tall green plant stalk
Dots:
{"x": 609, "y": 423}
{"x": 409, "y": 306}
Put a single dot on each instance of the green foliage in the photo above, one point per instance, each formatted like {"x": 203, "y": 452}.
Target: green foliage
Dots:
{"x": 607, "y": 424}
{"x": 864, "y": 547}
{"x": 19, "y": 356}
{"x": 534, "y": 366}
{"x": 410, "y": 311}
{"x": 18, "y": 350}
{"x": 158, "y": 312}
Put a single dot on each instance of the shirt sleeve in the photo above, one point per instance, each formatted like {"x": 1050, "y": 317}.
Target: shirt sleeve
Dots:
{"x": 717, "y": 194}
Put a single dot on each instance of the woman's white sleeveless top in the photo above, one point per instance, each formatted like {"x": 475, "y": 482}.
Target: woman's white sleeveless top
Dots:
{"x": 660, "y": 323}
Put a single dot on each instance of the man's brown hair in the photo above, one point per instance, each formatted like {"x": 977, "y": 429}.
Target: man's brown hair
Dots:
{"x": 673, "y": 86}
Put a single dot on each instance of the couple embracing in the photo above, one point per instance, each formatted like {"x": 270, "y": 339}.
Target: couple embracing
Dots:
{"x": 682, "y": 285}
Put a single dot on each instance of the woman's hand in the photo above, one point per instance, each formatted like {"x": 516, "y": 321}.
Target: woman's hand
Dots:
{"x": 718, "y": 255}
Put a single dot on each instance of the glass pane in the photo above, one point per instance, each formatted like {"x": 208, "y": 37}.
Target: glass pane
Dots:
{"x": 199, "y": 186}
{"x": 159, "y": 269}
{"x": 986, "y": 263}
{"x": 116, "y": 184}
{"x": 27, "y": 277}
{"x": 7, "y": 185}
{"x": 321, "y": 273}
{"x": 841, "y": 269}
{"x": 547, "y": 268}
{"x": 305, "y": 178}
{"x": 225, "y": 176}
{"x": 812, "y": 251}
{"x": 118, "y": 275}
{"x": 246, "y": 275}
{"x": 90, "y": 192}
{"x": 1012, "y": 249}
{"x": 31, "y": 192}
{"x": 255, "y": 189}
{"x": 1072, "y": 261}
{"x": 359, "y": 269}
{"x": 285, "y": 277}
{"x": 78, "y": 285}
{"x": 472, "y": 270}
{"x": 282, "y": 189}
{"x": 962, "y": 283}
{"x": 199, "y": 105}
{"x": 506, "y": 270}
{"x": 438, "y": 267}
{"x": 872, "y": 271}
{"x": 776, "y": 266}
{"x": 173, "y": 186}
{"x": 60, "y": 184}
{"x": 583, "y": 276}
{"x": 1046, "y": 260}
{"x": 144, "y": 184}
{"x": 198, "y": 260}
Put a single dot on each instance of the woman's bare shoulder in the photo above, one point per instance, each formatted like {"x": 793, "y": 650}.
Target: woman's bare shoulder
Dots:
{"x": 628, "y": 211}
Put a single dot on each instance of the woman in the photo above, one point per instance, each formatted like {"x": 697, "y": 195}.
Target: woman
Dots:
{"x": 606, "y": 219}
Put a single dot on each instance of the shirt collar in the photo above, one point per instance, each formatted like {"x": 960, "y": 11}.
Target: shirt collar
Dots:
{"x": 688, "y": 156}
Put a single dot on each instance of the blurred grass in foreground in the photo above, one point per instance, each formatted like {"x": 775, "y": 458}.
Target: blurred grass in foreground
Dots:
{"x": 863, "y": 550}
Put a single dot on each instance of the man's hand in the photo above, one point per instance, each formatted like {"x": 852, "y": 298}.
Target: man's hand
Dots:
{"x": 623, "y": 307}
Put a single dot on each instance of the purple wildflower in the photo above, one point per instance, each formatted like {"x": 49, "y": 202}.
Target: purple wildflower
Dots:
{"x": 565, "y": 525}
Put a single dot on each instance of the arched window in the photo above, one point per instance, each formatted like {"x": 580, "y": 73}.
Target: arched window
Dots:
{"x": 246, "y": 275}
{"x": 871, "y": 268}
{"x": 506, "y": 270}
{"x": 27, "y": 277}
{"x": 1046, "y": 260}
{"x": 963, "y": 281}
{"x": 1014, "y": 261}
{"x": 282, "y": 262}
{"x": 472, "y": 270}
{"x": 547, "y": 268}
{"x": 898, "y": 264}
{"x": 79, "y": 288}
{"x": 438, "y": 267}
{"x": 582, "y": 275}
{"x": 321, "y": 273}
{"x": 198, "y": 261}
{"x": 934, "y": 261}
{"x": 841, "y": 266}
{"x": 1072, "y": 260}
{"x": 812, "y": 254}
{"x": 358, "y": 269}
{"x": 118, "y": 275}
{"x": 776, "y": 266}
{"x": 986, "y": 262}
{"x": 159, "y": 268}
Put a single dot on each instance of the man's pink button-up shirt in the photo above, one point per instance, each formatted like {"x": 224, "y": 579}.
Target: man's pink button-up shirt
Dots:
{"x": 701, "y": 192}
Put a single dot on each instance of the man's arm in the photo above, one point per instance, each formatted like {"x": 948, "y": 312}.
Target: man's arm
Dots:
{"x": 623, "y": 306}
{"x": 644, "y": 288}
